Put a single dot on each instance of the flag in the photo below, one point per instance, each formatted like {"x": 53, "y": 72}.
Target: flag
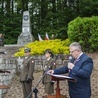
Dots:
{"x": 39, "y": 37}
{"x": 46, "y": 37}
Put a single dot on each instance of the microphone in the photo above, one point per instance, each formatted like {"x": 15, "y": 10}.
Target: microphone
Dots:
{"x": 70, "y": 58}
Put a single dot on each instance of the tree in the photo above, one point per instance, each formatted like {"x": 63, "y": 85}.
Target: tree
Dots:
{"x": 51, "y": 16}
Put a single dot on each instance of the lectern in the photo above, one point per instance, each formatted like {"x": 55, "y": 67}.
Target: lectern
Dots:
{"x": 58, "y": 78}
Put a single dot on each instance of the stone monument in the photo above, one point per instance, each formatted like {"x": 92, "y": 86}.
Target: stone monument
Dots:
{"x": 26, "y": 36}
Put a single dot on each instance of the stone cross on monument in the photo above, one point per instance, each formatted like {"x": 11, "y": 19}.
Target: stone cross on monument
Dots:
{"x": 26, "y": 36}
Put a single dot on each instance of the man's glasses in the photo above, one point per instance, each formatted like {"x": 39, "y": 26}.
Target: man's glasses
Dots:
{"x": 73, "y": 51}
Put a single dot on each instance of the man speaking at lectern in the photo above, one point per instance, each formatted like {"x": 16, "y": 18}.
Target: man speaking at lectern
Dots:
{"x": 80, "y": 67}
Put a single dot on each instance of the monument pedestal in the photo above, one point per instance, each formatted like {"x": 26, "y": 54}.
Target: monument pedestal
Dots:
{"x": 26, "y": 35}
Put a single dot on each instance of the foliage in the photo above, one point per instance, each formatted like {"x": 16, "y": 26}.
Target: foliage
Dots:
{"x": 51, "y": 16}
{"x": 85, "y": 31}
{"x": 88, "y": 8}
{"x": 11, "y": 28}
{"x": 38, "y": 47}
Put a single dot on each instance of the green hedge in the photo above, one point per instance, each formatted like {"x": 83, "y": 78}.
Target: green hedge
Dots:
{"x": 38, "y": 47}
{"x": 85, "y": 31}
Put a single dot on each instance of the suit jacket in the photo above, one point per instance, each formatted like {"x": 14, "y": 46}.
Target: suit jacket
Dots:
{"x": 27, "y": 69}
{"x": 81, "y": 72}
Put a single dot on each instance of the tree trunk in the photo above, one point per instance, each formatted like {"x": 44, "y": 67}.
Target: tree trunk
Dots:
{"x": 8, "y": 6}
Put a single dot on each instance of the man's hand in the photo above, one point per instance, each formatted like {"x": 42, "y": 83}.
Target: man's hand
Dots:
{"x": 70, "y": 65}
{"x": 50, "y": 71}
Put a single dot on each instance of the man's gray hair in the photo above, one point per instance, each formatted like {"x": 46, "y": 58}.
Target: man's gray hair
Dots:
{"x": 76, "y": 45}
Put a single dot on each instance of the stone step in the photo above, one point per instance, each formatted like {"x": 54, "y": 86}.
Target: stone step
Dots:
{"x": 7, "y": 51}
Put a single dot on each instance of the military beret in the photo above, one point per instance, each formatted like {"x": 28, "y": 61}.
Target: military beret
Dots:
{"x": 27, "y": 50}
{"x": 49, "y": 51}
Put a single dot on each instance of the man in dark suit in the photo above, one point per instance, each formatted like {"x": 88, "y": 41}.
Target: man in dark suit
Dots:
{"x": 26, "y": 76}
{"x": 80, "y": 67}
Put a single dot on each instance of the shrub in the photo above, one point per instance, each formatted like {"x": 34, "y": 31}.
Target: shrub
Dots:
{"x": 85, "y": 31}
{"x": 38, "y": 47}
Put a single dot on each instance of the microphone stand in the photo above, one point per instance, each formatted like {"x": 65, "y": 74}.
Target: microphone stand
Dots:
{"x": 35, "y": 90}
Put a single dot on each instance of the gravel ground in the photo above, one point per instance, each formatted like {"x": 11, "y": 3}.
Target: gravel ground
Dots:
{"x": 15, "y": 90}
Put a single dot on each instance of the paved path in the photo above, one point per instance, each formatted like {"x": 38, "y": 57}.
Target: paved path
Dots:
{"x": 15, "y": 90}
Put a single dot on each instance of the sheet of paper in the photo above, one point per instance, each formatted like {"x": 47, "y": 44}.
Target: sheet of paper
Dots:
{"x": 62, "y": 77}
